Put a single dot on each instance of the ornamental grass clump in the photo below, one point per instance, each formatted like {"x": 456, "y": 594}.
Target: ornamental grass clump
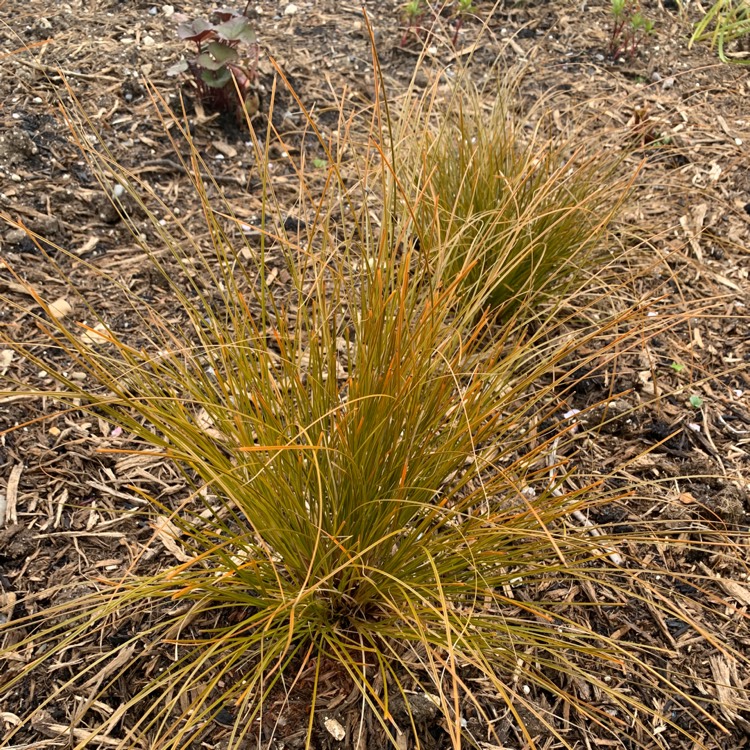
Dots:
{"x": 726, "y": 22}
{"x": 501, "y": 199}
{"x": 372, "y": 509}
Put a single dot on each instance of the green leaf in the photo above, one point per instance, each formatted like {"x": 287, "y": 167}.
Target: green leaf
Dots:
{"x": 206, "y": 61}
{"x": 320, "y": 163}
{"x": 216, "y": 79}
{"x": 413, "y": 8}
{"x": 237, "y": 29}
{"x": 696, "y": 402}
{"x": 639, "y": 22}
{"x": 195, "y": 31}
{"x": 177, "y": 68}
{"x": 677, "y": 367}
{"x": 222, "y": 52}
{"x": 216, "y": 56}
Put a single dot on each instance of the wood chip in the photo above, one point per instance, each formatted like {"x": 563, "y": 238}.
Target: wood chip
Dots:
{"x": 729, "y": 697}
{"x": 225, "y": 148}
{"x": 7, "y": 605}
{"x": 96, "y": 335}
{"x": 727, "y": 282}
{"x": 11, "y": 495}
{"x": 167, "y": 533}
{"x": 122, "y": 658}
{"x": 42, "y": 723}
{"x": 335, "y": 729}
{"x": 87, "y": 246}
{"x": 737, "y": 590}
{"x": 10, "y": 718}
{"x": 6, "y": 357}
{"x": 60, "y": 308}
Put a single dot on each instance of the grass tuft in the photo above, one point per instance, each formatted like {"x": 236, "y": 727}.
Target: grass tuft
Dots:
{"x": 501, "y": 202}
{"x": 371, "y": 504}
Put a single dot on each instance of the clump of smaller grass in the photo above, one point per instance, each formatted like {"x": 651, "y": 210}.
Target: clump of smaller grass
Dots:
{"x": 502, "y": 200}
{"x": 725, "y": 22}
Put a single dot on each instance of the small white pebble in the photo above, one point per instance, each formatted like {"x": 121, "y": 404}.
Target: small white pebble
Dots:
{"x": 290, "y": 9}
{"x": 526, "y": 690}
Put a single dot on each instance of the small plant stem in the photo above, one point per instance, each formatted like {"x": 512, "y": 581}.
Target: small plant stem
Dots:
{"x": 618, "y": 28}
{"x": 459, "y": 24}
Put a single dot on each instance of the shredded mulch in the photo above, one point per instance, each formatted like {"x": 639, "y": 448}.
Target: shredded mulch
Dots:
{"x": 70, "y": 512}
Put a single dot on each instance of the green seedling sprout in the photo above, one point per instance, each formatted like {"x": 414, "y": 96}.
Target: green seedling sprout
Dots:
{"x": 629, "y": 29}
{"x": 218, "y": 68}
{"x": 413, "y": 12}
{"x": 465, "y": 8}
